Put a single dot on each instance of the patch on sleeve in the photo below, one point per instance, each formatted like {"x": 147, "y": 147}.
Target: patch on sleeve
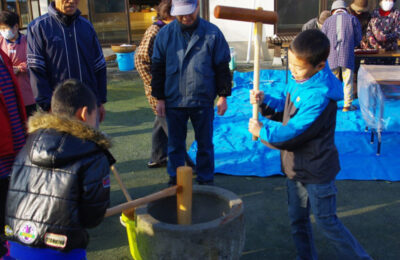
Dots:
{"x": 298, "y": 99}
{"x": 55, "y": 240}
{"x": 8, "y": 231}
{"x": 106, "y": 182}
{"x": 27, "y": 233}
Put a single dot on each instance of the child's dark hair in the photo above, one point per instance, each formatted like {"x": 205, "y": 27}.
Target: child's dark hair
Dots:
{"x": 71, "y": 95}
{"x": 163, "y": 10}
{"x": 311, "y": 46}
{"x": 9, "y": 18}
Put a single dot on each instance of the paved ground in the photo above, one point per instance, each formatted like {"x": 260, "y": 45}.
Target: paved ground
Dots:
{"x": 370, "y": 209}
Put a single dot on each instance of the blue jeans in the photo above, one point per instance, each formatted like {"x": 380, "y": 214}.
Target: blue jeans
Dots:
{"x": 321, "y": 200}
{"x": 202, "y": 119}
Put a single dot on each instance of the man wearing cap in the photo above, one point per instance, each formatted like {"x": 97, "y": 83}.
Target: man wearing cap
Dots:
{"x": 190, "y": 67}
{"x": 359, "y": 8}
{"x": 317, "y": 22}
{"x": 344, "y": 33}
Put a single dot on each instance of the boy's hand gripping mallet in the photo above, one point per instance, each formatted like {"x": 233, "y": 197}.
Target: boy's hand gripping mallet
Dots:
{"x": 258, "y": 17}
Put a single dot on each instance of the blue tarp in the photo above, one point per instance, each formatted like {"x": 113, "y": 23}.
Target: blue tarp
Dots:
{"x": 237, "y": 154}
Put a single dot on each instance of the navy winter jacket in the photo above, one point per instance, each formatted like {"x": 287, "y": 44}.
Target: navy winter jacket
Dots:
{"x": 58, "y": 51}
{"x": 190, "y": 70}
{"x": 305, "y": 131}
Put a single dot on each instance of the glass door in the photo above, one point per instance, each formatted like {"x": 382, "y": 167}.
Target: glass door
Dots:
{"x": 109, "y": 20}
{"x": 142, "y": 14}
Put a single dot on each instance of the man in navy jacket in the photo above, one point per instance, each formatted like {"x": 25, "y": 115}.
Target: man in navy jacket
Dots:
{"x": 64, "y": 45}
{"x": 190, "y": 67}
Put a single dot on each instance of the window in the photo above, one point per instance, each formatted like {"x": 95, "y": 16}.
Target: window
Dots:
{"x": 26, "y": 9}
{"x": 109, "y": 20}
{"x": 294, "y": 13}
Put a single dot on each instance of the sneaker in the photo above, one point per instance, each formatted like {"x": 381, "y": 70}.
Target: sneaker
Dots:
{"x": 172, "y": 181}
{"x": 152, "y": 164}
{"x": 349, "y": 108}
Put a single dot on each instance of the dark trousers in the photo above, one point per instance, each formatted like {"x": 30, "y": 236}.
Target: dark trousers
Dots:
{"x": 159, "y": 140}
{"x": 202, "y": 121}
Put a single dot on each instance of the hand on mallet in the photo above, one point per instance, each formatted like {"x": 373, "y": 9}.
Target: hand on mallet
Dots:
{"x": 255, "y": 127}
{"x": 222, "y": 106}
{"x": 256, "y": 97}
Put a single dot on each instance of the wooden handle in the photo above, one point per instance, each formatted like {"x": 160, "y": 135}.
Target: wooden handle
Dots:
{"x": 245, "y": 15}
{"x": 125, "y": 207}
{"x": 184, "y": 195}
{"x": 256, "y": 80}
{"x": 121, "y": 184}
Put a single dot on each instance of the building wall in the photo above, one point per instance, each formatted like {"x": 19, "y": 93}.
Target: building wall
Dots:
{"x": 43, "y": 6}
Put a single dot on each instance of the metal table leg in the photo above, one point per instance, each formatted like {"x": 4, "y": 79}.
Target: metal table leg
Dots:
{"x": 372, "y": 136}
{"x": 379, "y": 142}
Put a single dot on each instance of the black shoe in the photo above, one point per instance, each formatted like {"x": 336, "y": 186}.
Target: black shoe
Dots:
{"x": 209, "y": 183}
{"x": 172, "y": 181}
{"x": 156, "y": 164}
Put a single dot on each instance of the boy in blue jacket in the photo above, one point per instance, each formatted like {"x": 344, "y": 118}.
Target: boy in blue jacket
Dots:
{"x": 306, "y": 115}
{"x": 60, "y": 182}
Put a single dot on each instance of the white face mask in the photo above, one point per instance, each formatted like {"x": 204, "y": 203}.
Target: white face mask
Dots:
{"x": 8, "y": 34}
{"x": 387, "y": 5}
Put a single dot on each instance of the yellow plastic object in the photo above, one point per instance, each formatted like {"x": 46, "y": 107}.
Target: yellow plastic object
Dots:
{"x": 131, "y": 232}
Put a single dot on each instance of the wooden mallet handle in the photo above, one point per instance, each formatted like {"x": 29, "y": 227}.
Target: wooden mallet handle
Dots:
{"x": 245, "y": 15}
{"x": 121, "y": 184}
{"x": 171, "y": 191}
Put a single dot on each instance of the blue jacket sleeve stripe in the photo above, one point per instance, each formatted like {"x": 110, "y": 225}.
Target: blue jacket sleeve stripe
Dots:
{"x": 36, "y": 61}
{"x": 100, "y": 65}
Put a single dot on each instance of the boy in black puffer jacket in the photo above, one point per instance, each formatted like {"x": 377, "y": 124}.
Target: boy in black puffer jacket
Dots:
{"x": 60, "y": 180}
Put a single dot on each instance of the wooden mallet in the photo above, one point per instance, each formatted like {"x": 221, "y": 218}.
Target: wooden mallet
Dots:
{"x": 258, "y": 17}
{"x": 183, "y": 192}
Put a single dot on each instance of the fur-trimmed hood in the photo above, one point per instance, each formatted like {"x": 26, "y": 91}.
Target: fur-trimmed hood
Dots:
{"x": 55, "y": 141}
{"x": 41, "y": 120}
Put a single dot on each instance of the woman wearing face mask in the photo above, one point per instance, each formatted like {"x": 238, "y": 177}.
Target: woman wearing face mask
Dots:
{"x": 384, "y": 27}
{"x": 13, "y": 43}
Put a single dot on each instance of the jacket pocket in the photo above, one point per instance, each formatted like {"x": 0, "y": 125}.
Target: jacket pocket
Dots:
{"x": 205, "y": 82}
{"x": 171, "y": 79}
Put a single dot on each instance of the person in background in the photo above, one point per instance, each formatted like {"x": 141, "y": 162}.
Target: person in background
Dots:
{"x": 13, "y": 43}
{"x": 159, "y": 141}
{"x": 302, "y": 126}
{"x": 344, "y": 33}
{"x": 190, "y": 67}
{"x": 60, "y": 182}
{"x": 359, "y": 8}
{"x": 384, "y": 27}
{"x": 64, "y": 45}
{"x": 317, "y": 22}
{"x": 12, "y": 133}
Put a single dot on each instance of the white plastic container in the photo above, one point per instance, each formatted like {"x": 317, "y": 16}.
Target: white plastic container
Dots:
{"x": 232, "y": 63}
